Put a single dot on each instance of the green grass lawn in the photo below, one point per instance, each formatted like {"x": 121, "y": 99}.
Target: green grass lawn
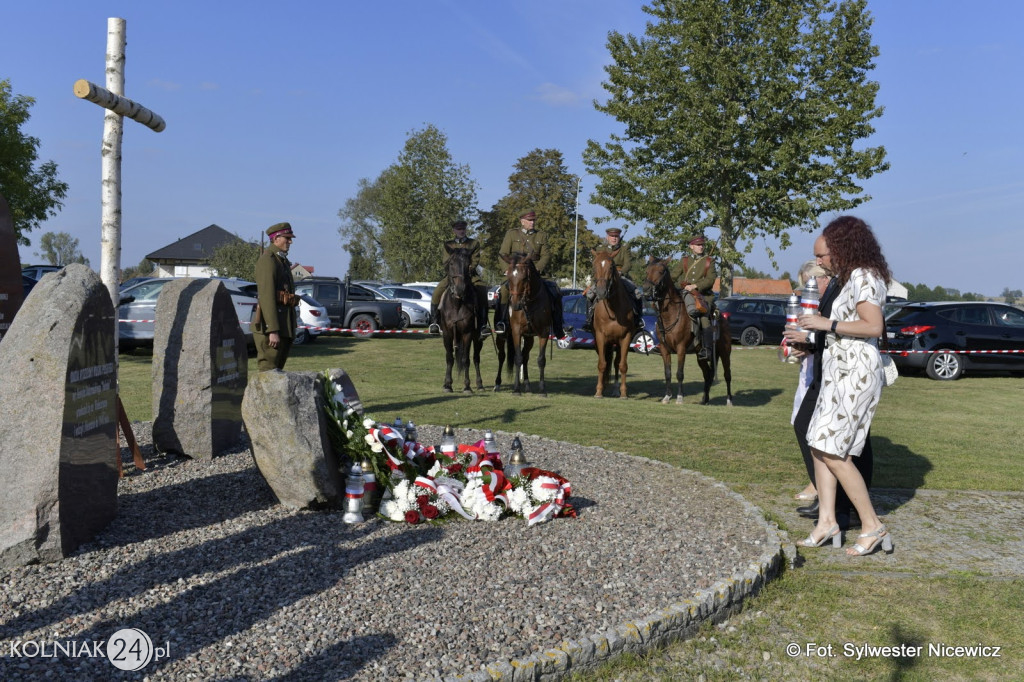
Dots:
{"x": 962, "y": 435}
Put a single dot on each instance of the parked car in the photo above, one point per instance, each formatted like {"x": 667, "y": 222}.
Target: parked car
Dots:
{"x": 26, "y": 285}
{"x": 413, "y": 295}
{"x": 137, "y": 311}
{"x": 36, "y": 272}
{"x": 132, "y": 281}
{"x": 574, "y": 312}
{"x": 917, "y": 329}
{"x": 754, "y": 320}
{"x": 313, "y": 320}
{"x": 352, "y": 306}
{"x": 414, "y": 314}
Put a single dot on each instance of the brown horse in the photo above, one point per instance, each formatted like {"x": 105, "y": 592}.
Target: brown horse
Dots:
{"x": 675, "y": 330}
{"x": 529, "y": 316}
{"x": 457, "y": 319}
{"x": 614, "y": 322}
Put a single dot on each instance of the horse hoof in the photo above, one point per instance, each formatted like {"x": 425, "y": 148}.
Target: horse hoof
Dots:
{"x": 497, "y": 389}
{"x": 666, "y": 400}
{"x": 728, "y": 402}
{"x": 598, "y": 395}
{"x": 447, "y": 389}
{"x": 466, "y": 391}
{"x": 679, "y": 400}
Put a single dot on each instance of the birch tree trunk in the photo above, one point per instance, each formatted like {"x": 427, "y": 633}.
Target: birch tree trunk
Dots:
{"x": 113, "y": 126}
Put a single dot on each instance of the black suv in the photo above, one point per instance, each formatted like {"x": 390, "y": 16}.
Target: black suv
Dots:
{"x": 977, "y": 330}
{"x": 754, "y": 320}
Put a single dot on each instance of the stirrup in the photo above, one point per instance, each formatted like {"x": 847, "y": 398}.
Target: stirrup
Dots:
{"x": 485, "y": 331}
{"x": 434, "y": 328}
{"x": 499, "y": 327}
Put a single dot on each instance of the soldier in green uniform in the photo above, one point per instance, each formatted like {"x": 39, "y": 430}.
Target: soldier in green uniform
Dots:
{"x": 526, "y": 239}
{"x": 622, "y": 258}
{"x": 695, "y": 274}
{"x": 461, "y": 241}
{"x": 273, "y": 326}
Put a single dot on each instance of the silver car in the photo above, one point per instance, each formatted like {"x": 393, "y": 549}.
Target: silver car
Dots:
{"x": 415, "y": 312}
{"x": 313, "y": 320}
{"x": 137, "y": 312}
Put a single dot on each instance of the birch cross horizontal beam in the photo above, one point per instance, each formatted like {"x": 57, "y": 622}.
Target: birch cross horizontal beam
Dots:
{"x": 119, "y": 105}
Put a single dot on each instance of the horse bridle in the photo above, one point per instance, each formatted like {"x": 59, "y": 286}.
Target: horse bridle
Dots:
{"x": 526, "y": 296}
{"x": 658, "y": 294}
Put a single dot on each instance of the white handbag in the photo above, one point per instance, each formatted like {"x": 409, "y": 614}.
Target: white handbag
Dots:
{"x": 889, "y": 370}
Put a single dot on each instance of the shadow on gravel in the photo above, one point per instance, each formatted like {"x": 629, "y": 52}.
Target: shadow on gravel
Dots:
{"x": 244, "y": 579}
{"x": 340, "y": 661}
{"x": 896, "y": 466}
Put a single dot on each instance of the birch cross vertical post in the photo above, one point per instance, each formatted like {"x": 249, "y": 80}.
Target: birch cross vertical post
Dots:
{"x": 118, "y": 106}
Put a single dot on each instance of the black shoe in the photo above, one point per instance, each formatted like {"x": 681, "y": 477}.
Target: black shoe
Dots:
{"x": 809, "y": 511}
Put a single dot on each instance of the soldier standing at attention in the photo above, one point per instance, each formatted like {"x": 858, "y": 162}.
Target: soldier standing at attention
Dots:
{"x": 695, "y": 275}
{"x": 527, "y": 240}
{"x": 622, "y": 258}
{"x": 461, "y": 241}
{"x": 273, "y": 326}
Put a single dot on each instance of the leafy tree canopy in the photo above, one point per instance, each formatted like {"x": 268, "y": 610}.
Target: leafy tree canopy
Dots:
{"x": 235, "y": 259}
{"x": 33, "y": 193}
{"x": 400, "y": 221}
{"x": 741, "y": 117}
{"x": 60, "y": 248}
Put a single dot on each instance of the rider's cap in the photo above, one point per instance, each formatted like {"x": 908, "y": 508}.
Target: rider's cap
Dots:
{"x": 459, "y": 225}
{"x": 529, "y": 215}
{"x": 614, "y": 231}
{"x": 698, "y": 240}
{"x": 279, "y": 230}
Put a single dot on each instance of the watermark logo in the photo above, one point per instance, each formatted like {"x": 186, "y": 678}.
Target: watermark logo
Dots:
{"x": 127, "y": 649}
{"x": 130, "y": 649}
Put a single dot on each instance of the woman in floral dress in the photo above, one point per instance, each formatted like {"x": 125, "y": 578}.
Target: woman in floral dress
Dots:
{"x": 852, "y": 378}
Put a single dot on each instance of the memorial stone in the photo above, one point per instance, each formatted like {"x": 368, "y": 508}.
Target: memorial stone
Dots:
{"x": 10, "y": 269}
{"x": 284, "y": 417}
{"x": 58, "y": 398}
{"x": 200, "y": 367}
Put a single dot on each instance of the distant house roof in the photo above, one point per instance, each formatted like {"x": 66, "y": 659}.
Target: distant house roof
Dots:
{"x": 197, "y": 247}
{"x": 760, "y": 287}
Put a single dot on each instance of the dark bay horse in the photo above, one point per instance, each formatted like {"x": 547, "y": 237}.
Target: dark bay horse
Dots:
{"x": 457, "y": 319}
{"x": 529, "y": 316}
{"x": 614, "y": 322}
{"x": 675, "y": 330}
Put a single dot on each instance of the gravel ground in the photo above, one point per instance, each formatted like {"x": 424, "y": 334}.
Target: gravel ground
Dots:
{"x": 234, "y": 586}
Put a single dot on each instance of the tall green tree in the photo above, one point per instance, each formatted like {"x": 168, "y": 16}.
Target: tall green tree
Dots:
{"x": 60, "y": 248}
{"x": 541, "y": 182}
{"x": 236, "y": 258}
{"x": 360, "y": 232}
{"x": 33, "y": 193}
{"x": 145, "y": 268}
{"x": 409, "y": 209}
{"x": 744, "y": 118}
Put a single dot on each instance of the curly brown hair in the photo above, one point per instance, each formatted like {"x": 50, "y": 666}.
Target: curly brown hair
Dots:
{"x": 852, "y": 245}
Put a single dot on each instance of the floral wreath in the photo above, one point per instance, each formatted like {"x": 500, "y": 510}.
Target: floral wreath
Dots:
{"x": 426, "y": 484}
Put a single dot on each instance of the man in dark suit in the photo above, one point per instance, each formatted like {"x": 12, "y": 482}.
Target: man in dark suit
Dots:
{"x": 846, "y": 516}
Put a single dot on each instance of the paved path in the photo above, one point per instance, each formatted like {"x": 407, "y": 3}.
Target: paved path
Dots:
{"x": 935, "y": 532}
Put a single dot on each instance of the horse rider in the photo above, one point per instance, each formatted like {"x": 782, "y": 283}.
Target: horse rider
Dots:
{"x": 526, "y": 239}
{"x": 695, "y": 275}
{"x": 622, "y": 258}
{"x": 461, "y": 241}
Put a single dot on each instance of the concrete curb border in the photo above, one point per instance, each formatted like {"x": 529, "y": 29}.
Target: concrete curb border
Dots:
{"x": 673, "y": 623}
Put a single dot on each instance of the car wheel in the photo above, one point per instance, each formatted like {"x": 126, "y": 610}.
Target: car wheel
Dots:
{"x": 406, "y": 320}
{"x": 301, "y": 337}
{"x": 751, "y": 336}
{"x": 364, "y": 326}
{"x": 566, "y": 342}
{"x": 643, "y": 342}
{"x": 944, "y": 366}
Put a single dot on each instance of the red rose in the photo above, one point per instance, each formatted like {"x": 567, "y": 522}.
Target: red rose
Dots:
{"x": 412, "y": 516}
{"x": 430, "y": 511}
{"x": 422, "y": 500}
{"x": 455, "y": 468}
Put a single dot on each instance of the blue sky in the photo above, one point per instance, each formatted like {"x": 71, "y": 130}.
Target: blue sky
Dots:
{"x": 275, "y": 110}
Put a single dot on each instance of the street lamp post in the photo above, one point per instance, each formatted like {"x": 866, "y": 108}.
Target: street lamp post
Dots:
{"x": 576, "y": 239}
